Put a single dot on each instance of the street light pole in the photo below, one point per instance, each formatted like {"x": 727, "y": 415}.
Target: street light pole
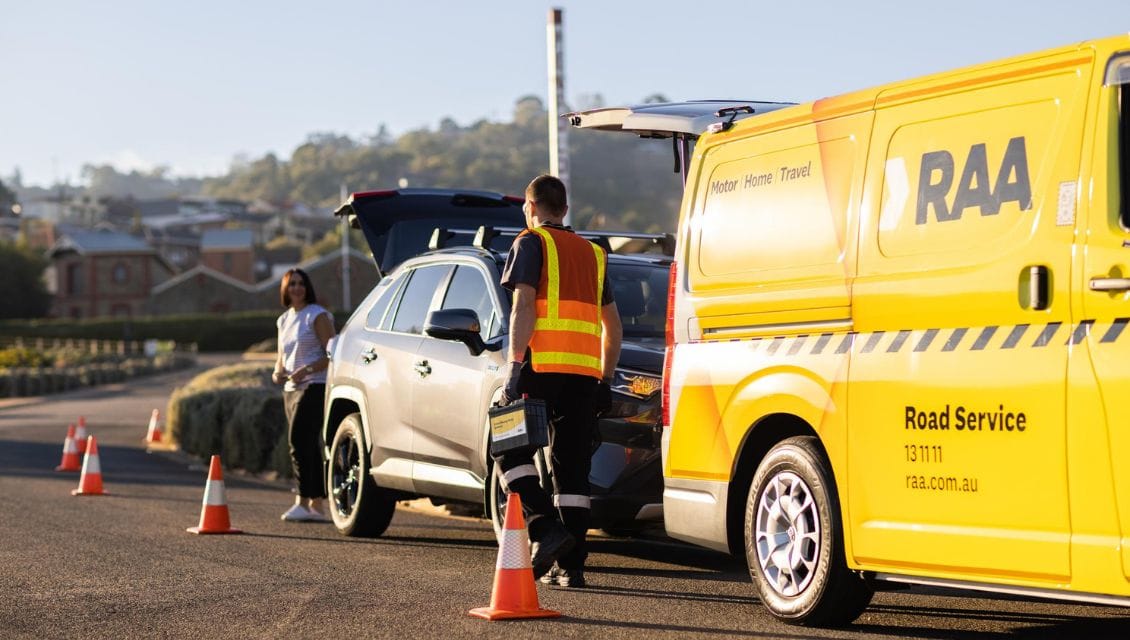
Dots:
{"x": 346, "y": 303}
{"x": 558, "y": 133}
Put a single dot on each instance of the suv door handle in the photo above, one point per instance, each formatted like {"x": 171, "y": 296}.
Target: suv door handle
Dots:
{"x": 369, "y": 356}
{"x": 423, "y": 368}
{"x": 1110, "y": 284}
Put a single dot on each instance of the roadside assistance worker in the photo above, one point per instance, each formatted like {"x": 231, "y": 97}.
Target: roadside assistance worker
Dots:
{"x": 565, "y": 336}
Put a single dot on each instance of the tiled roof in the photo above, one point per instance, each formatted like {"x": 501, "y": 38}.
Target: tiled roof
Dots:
{"x": 226, "y": 239}
{"x": 88, "y": 242}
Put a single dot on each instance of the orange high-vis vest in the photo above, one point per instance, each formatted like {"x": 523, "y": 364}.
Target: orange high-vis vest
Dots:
{"x": 567, "y": 332}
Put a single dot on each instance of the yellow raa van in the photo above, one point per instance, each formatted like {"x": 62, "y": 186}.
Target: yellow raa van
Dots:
{"x": 897, "y": 338}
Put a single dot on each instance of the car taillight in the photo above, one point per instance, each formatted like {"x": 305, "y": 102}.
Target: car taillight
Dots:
{"x": 669, "y": 351}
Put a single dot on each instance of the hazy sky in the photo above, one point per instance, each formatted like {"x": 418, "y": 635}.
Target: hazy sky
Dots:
{"x": 189, "y": 85}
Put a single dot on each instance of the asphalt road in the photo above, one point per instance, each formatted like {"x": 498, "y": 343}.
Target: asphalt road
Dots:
{"x": 122, "y": 565}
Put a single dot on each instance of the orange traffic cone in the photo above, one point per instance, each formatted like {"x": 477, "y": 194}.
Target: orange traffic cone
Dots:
{"x": 154, "y": 435}
{"x": 70, "y": 453}
{"x": 90, "y": 482}
{"x": 80, "y": 435}
{"x": 214, "y": 516}
{"x": 515, "y": 593}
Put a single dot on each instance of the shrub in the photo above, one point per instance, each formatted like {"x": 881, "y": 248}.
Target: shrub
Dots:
{"x": 234, "y": 411}
{"x": 22, "y": 357}
{"x": 209, "y": 331}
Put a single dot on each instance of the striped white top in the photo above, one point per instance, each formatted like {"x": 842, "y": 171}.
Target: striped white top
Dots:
{"x": 298, "y": 343}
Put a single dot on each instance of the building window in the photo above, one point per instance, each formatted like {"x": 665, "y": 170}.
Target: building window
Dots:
{"x": 120, "y": 273}
{"x": 120, "y": 311}
{"x": 74, "y": 278}
{"x": 227, "y": 263}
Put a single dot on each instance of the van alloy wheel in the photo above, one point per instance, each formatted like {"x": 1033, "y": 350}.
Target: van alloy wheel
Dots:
{"x": 788, "y": 533}
{"x": 794, "y": 538}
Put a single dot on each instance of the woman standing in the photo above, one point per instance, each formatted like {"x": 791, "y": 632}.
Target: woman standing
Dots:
{"x": 305, "y": 329}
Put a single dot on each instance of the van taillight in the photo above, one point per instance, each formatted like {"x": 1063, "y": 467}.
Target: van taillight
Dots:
{"x": 669, "y": 352}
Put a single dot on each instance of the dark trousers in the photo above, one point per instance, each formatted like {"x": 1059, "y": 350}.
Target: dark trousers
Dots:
{"x": 304, "y": 411}
{"x": 572, "y": 426}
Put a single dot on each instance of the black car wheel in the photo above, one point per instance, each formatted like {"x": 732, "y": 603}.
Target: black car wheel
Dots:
{"x": 358, "y": 506}
{"x": 498, "y": 497}
{"x": 794, "y": 541}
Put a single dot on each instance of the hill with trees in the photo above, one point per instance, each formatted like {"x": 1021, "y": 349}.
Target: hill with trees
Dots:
{"x": 617, "y": 181}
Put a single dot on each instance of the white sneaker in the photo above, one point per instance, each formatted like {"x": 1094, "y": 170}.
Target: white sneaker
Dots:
{"x": 296, "y": 513}
{"x": 316, "y": 516}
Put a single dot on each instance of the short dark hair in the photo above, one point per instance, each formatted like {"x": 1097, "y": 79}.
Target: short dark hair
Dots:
{"x": 284, "y": 297}
{"x": 549, "y": 192}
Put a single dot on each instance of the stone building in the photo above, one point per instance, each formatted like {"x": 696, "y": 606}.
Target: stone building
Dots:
{"x": 203, "y": 289}
{"x": 103, "y": 273}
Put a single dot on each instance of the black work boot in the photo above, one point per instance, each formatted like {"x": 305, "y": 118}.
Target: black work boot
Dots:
{"x": 545, "y": 551}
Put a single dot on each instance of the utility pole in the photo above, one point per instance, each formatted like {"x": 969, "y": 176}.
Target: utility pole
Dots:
{"x": 346, "y": 303}
{"x": 558, "y": 132}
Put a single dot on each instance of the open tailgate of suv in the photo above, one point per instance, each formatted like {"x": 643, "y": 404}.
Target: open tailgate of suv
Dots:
{"x": 398, "y": 223}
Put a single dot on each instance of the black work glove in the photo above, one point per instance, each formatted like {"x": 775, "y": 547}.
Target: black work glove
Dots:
{"x": 602, "y": 398}
{"x": 510, "y": 391}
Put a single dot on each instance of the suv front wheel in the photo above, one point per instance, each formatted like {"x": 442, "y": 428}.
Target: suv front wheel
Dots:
{"x": 358, "y": 506}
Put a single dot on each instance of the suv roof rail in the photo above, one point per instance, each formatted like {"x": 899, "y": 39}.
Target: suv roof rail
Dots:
{"x": 633, "y": 241}
{"x": 439, "y": 238}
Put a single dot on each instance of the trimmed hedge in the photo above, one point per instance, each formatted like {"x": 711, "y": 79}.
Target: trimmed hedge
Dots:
{"x": 37, "y": 381}
{"x": 210, "y": 331}
{"x": 234, "y": 411}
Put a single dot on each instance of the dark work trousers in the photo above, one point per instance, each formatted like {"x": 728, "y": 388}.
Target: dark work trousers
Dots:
{"x": 572, "y": 425}
{"x": 304, "y": 411}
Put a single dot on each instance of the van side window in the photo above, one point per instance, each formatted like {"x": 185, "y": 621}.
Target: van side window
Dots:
{"x": 1118, "y": 76}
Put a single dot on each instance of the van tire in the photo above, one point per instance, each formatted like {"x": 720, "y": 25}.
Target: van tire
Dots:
{"x": 794, "y": 540}
{"x": 358, "y": 506}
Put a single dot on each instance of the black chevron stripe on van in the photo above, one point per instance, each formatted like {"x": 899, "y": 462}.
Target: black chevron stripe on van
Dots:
{"x": 939, "y": 340}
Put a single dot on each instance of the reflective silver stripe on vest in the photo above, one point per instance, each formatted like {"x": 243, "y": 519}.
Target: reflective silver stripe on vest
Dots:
{"x": 572, "y": 500}
{"x": 520, "y": 471}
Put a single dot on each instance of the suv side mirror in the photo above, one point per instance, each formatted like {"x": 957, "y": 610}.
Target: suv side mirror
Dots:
{"x": 456, "y": 324}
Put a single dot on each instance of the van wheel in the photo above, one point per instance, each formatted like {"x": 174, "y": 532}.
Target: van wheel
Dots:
{"x": 794, "y": 541}
{"x": 358, "y": 506}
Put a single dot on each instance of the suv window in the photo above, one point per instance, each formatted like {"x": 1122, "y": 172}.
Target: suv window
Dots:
{"x": 468, "y": 290}
{"x": 417, "y": 298}
{"x": 384, "y": 294}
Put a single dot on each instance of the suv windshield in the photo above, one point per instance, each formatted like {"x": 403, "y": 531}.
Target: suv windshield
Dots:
{"x": 641, "y": 297}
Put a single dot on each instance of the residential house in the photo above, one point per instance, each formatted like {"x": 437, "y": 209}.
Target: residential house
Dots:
{"x": 230, "y": 252}
{"x": 103, "y": 273}
{"x": 203, "y": 289}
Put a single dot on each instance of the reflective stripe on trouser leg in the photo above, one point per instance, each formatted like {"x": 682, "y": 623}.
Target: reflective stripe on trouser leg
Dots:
{"x": 518, "y": 474}
{"x": 572, "y": 500}
{"x": 521, "y": 471}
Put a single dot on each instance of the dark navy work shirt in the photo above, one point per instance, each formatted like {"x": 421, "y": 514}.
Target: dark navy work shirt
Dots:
{"x": 523, "y": 264}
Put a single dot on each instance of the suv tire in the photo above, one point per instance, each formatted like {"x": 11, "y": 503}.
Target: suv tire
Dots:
{"x": 794, "y": 540}
{"x": 496, "y": 497}
{"x": 358, "y": 506}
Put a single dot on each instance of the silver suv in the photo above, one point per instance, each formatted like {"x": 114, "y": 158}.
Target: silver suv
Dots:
{"x": 416, "y": 367}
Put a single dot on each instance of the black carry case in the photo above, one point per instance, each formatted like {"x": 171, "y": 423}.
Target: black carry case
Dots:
{"x": 520, "y": 425}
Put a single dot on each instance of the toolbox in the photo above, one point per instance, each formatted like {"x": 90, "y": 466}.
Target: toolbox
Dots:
{"x": 522, "y": 424}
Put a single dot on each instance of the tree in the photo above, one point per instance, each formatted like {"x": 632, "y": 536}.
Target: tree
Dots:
{"x": 22, "y": 287}
{"x": 7, "y": 199}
